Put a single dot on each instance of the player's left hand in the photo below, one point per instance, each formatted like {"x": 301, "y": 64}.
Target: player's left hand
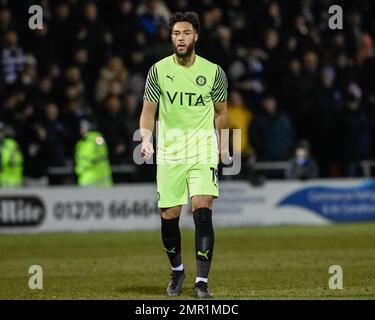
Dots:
{"x": 225, "y": 158}
{"x": 147, "y": 149}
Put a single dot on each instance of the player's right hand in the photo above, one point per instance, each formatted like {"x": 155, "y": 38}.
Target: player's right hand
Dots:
{"x": 147, "y": 150}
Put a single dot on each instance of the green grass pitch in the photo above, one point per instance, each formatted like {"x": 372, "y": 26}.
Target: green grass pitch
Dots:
{"x": 278, "y": 262}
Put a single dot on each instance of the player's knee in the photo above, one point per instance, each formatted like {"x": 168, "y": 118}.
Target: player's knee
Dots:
{"x": 170, "y": 213}
{"x": 201, "y": 203}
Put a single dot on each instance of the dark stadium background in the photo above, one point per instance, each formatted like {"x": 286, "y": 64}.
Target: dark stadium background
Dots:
{"x": 91, "y": 58}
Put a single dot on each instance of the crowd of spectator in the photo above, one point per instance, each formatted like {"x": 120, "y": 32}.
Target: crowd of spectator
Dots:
{"x": 291, "y": 77}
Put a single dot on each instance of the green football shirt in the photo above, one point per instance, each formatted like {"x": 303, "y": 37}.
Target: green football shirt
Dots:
{"x": 185, "y": 97}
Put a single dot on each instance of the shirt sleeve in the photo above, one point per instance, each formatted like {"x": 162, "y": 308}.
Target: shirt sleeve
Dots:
{"x": 152, "y": 88}
{"x": 219, "y": 91}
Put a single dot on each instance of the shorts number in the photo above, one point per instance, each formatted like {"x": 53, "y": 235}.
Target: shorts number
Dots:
{"x": 214, "y": 176}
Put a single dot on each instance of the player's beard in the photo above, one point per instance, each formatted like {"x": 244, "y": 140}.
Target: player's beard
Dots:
{"x": 189, "y": 49}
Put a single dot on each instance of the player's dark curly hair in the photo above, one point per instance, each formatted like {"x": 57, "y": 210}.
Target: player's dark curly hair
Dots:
{"x": 189, "y": 16}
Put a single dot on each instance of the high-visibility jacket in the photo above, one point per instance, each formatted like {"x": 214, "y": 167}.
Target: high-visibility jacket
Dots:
{"x": 91, "y": 161}
{"x": 11, "y": 164}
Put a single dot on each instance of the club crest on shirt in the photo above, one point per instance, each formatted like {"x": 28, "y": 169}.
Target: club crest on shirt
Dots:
{"x": 201, "y": 80}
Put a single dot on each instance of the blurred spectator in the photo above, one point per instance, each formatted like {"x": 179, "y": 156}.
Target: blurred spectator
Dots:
{"x": 44, "y": 91}
{"x": 355, "y": 132}
{"x": 12, "y": 58}
{"x": 38, "y": 42}
{"x": 153, "y": 14}
{"x": 240, "y": 117}
{"x": 11, "y": 159}
{"x": 273, "y": 61}
{"x": 29, "y": 74}
{"x": 93, "y": 34}
{"x": 112, "y": 79}
{"x": 138, "y": 63}
{"x": 321, "y": 125}
{"x": 54, "y": 72}
{"x": 302, "y": 166}
{"x": 224, "y": 52}
{"x": 161, "y": 47}
{"x": 6, "y": 22}
{"x": 367, "y": 73}
{"x": 354, "y": 32}
{"x": 291, "y": 93}
{"x": 73, "y": 86}
{"x": 309, "y": 84}
{"x": 239, "y": 26}
{"x": 271, "y": 132}
{"x": 80, "y": 59}
{"x": 179, "y": 5}
{"x": 209, "y": 24}
{"x": 55, "y": 131}
{"x": 247, "y": 72}
{"x": 308, "y": 11}
{"x": 91, "y": 158}
{"x": 62, "y": 26}
{"x": 9, "y": 111}
{"x": 366, "y": 49}
{"x": 72, "y": 117}
{"x": 47, "y": 14}
{"x": 123, "y": 25}
{"x": 34, "y": 148}
{"x": 274, "y": 17}
{"x": 111, "y": 122}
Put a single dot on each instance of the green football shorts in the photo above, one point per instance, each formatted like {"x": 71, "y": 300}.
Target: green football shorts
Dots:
{"x": 176, "y": 181}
